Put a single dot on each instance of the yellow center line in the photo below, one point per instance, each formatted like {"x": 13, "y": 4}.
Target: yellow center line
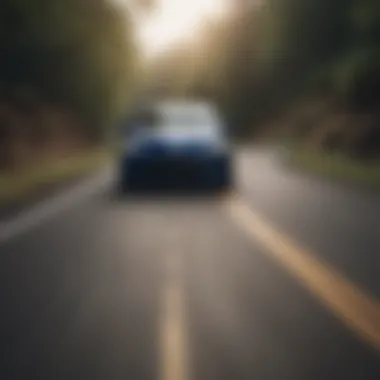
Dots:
{"x": 359, "y": 311}
{"x": 173, "y": 339}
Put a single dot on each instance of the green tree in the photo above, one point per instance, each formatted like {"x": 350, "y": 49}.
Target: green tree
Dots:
{"x": 78, "y": 53}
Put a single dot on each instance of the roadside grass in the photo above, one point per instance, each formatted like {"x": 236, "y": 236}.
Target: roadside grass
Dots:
{"x": 22, "y": 185}
{"x": 336, "y": 167}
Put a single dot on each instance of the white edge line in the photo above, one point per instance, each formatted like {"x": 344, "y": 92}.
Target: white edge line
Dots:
{"x": 46, "y": 209}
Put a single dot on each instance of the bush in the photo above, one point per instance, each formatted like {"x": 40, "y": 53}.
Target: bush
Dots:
{"x": 357, "y": 79}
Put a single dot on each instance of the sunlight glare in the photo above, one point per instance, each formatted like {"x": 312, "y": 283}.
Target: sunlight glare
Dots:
{"x": 176, "y": 20}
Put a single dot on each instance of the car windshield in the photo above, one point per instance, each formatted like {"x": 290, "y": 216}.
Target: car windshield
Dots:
{"x": 191, "y": 121}
{"x": 188, "y": 121}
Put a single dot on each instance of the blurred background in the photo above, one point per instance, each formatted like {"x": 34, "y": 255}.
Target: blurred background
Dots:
{"x": 304, "y": 74}
{"x": 301, "y": 72}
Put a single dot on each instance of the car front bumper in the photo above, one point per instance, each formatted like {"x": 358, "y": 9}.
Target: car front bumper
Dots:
{"x": 176, "y": 173}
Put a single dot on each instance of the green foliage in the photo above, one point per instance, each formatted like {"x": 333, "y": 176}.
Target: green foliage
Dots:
{"x": 75, "y": 52}
{"x": 264, "y": 58}
{"x": 335, "y": 42}
{"x": 357, "y": 79}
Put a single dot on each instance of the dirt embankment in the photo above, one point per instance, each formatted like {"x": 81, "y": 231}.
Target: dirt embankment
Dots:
{"x": 320, "y": 124}
{"x": 43, "y": 146}
{"x": 35, "y": 131}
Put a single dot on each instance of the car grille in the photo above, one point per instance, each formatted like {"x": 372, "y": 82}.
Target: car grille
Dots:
{"x": 169, "y": 172}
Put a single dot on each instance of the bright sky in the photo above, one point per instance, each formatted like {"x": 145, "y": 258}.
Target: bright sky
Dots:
{"x": 175, "y": 20}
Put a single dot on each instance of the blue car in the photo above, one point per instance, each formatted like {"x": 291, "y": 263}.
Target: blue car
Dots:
{"x": 176, "y": 146}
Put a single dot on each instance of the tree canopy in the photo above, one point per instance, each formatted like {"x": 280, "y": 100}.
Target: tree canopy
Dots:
{"x": 263, "y": 57}
{"x": 78, "y": 53}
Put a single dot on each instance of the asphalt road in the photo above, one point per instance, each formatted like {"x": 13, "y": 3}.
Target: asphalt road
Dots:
{"x": 94, "y": 287}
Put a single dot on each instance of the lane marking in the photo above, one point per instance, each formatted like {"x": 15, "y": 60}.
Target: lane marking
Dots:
{"x": 360, "y": 312}
{"x": 173, "y": 339}
{"x": 47, "y": 209}
{"x": 173, "y": 344}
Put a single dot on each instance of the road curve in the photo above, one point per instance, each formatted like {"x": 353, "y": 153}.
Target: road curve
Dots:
{"x": 95, "y": 287}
